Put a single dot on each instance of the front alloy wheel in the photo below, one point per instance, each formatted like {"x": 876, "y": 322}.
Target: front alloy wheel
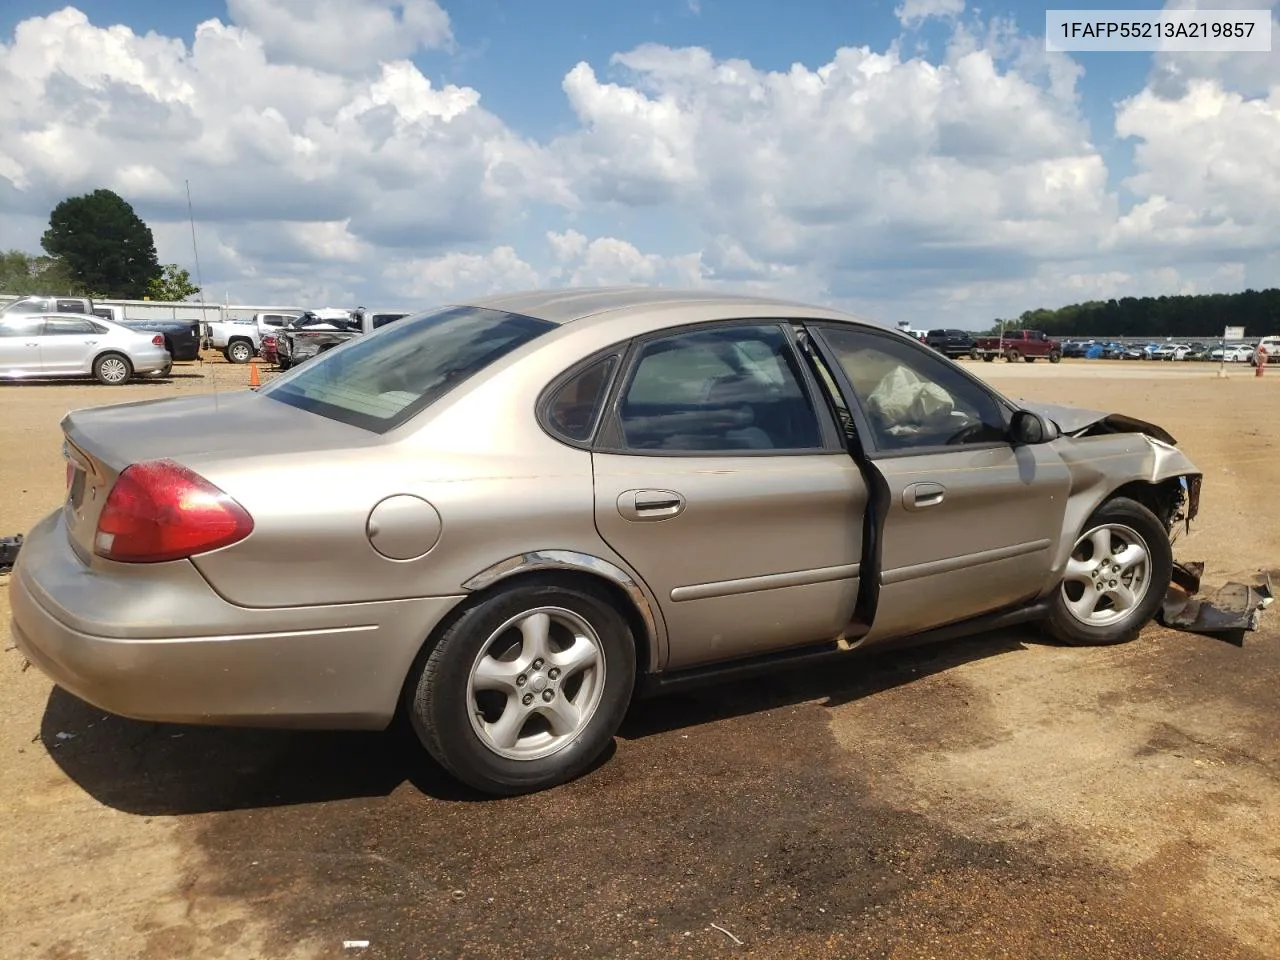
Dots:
{"x": 1116, "y": 578}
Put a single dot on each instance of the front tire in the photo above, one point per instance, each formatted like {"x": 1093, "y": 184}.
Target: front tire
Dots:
{"x": 1055, "y": 358}
{"x": 112, "y": 369}
{"x": 1013, "y": 356}
{"x": 526, "y": 689}
{"x": 1116, "y": 578}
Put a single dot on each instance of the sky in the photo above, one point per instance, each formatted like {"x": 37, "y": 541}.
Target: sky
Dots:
{"x": 923, "y": 161}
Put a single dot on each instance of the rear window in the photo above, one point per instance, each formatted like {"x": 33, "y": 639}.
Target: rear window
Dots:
{"x": 382, "y": 379}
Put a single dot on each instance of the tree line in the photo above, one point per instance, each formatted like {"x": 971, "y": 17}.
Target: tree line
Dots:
{"x": 96, "y": 246}
{"x": 1201, "y": 316}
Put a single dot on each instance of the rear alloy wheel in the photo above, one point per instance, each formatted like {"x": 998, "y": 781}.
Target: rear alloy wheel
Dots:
{"x": 526, "y": 689}
{"x": 239, "y": 351}
{"x": 112, "y": 369}
{"x": 1116, "y": 578}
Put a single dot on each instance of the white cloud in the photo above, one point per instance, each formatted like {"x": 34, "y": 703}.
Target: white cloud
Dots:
{"x": 867, "y": 159}
{"x": 343, "y": 36}
{"x": 398, "y": 160}
{"x": 911, "y": 13}
{"x": 1207, "y": 174}
{"x": 461, "y": 275}
{"x": 1250, "y": 73}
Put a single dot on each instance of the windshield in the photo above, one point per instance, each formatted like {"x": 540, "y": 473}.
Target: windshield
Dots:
{"x": 380, "y": 380}
{"x": 25, "y": 306}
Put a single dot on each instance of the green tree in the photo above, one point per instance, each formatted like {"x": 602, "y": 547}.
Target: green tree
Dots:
{"x": 104, "y": 244}
{"x": 174, "y": 283}
{"x": 1186, "y": 317}
{"x": 22, "y": 274}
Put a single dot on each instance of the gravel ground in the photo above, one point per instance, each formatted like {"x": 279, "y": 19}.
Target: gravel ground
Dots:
{"x": 998, "y": 797}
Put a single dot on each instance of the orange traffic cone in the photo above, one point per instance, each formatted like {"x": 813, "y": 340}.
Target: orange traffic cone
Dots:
{"x": 254, "y": 379}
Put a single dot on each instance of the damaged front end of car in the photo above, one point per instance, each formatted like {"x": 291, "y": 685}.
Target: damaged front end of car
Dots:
{"x": 1111, "y": 454}
{"x": 1105, "y": 447}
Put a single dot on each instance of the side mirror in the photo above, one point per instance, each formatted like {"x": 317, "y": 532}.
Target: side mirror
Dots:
{"x": 1028, "y": 428}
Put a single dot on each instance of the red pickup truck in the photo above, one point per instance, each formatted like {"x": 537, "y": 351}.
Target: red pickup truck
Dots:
{"x": 1014, "y": 345}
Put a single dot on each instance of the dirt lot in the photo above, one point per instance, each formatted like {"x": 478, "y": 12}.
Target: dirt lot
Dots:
{"x": 1000, "y": 797}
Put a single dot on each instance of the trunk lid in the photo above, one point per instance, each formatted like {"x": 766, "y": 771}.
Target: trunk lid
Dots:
{"x": 100, "y": 442}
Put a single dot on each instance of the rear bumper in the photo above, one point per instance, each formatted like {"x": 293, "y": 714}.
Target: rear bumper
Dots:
{"x": 151, "y": 361}
{"x": 161, "y": 645}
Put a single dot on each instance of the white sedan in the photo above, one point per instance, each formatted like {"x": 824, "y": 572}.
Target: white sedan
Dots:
{"x": 1232, "y": 353}
{"x": 76, "y": 345}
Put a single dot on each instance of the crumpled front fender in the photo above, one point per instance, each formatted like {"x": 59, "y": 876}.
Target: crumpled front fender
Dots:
{"x": 1100, "y": 465}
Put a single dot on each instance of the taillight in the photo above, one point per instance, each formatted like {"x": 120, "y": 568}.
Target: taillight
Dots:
{"x": 158, "y": 340}
{"x": 159, "y": 510}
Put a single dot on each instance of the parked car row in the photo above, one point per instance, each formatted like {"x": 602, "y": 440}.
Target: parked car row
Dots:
{"x": 1229, "y": 352}
{"x": 1031, "y": 345}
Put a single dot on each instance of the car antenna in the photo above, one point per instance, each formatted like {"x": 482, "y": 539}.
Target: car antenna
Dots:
{"x": 195, "y": 252}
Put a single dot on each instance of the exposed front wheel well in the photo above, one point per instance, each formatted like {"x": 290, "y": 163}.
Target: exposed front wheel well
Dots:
{"x": 1163, "y": 499}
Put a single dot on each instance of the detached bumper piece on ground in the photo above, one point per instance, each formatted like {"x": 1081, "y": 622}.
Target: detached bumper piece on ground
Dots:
{"x": 9, "y": 547}
{"x": 1232, "y": 607}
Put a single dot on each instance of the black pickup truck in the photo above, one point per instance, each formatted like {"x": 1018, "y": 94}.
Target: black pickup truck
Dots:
{"x": 953, "y": 343}
{"x": 181, "y": 337}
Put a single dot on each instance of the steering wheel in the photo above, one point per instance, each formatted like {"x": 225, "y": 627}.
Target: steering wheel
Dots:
{"x": 966, "y": 433}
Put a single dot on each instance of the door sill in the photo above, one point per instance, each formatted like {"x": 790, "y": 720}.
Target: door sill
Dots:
{"x": 691, "y": 678}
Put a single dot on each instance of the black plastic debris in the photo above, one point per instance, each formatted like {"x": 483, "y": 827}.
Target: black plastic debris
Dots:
{"x": 1233, "y": 606}
{"x": 9, "y": 547}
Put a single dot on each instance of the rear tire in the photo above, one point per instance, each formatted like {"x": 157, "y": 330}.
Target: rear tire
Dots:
{"x": 112, "y": 369}
{"x": 988, "y": 358}
{"x": 523, "y": 639}
{"x": 238, "y": 351}
{"x": 1138, "y": 558}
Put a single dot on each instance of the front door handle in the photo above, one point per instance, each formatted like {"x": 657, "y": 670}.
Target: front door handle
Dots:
{"x": 638, "y": 505}
{"x": 917, "y": 496}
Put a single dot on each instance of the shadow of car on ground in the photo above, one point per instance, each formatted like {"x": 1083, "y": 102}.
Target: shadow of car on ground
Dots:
{"x": 155, "y": 769}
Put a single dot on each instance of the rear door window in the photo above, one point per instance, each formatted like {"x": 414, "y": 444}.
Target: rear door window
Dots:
{"x": 382, "y": 379}
{"x": 718, "y": 390}
{"x": 68, "y": 326}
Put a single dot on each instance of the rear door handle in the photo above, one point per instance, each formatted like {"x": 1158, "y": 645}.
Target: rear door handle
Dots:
{"x": 639, "y": 505}
{"x": 917, "y": 496}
